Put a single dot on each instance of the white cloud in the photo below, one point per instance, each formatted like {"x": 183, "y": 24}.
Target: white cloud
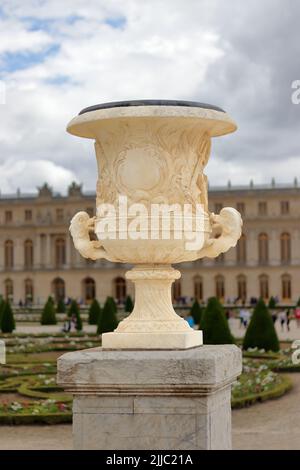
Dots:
{"x": 28, "y": 175}
{"x": 201, "y": 49}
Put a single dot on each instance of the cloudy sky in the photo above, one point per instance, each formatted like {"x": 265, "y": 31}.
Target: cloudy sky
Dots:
{"x": 57, "y": 57}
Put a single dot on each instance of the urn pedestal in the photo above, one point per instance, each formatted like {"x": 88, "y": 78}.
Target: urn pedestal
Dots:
{"x": 131, "y": 400}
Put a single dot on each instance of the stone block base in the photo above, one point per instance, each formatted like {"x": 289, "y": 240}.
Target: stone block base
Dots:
{"x": 127, "y": 400}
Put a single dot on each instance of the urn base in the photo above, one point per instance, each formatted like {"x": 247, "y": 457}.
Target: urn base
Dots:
{"x": 178, "y": 340}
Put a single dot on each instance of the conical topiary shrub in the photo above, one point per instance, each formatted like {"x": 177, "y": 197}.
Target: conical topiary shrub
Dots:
{"x": 48, "y": 314}
{"x": 111, "y": 300}
{"x": 108, "y": 319}
{"x": 7, "y": 318}
{"x": 2, "y": 303}
{"x": 261, "y": 332}
{"x": 214, "y": 324}
{"x": 61, "y": 307}
{"x": 128, "y": 304}
{"x": 94, "y": 313}
{"x": 196, "y": 312}
{"x": 272, "y": 303}
{"x": 74, "y": 310}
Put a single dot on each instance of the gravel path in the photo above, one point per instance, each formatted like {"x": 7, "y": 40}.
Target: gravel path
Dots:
{"x": 271, "y": 425}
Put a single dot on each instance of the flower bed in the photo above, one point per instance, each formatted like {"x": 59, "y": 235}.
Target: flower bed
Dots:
{"x": 29, "y": 394}
{"x": 258, "y": 383}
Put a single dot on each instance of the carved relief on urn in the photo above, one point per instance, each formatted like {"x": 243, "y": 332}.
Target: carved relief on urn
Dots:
{"x": 153, "y": 155}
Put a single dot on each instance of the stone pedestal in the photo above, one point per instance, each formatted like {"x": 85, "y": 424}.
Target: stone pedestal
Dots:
{"x": 151, "y": 399}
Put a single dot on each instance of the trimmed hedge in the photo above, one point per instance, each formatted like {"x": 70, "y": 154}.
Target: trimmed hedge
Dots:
{"x": 108, "y": 319}
{"x": 94, "y": 313}
{"x": 7, "y": 318}
{"x": 196, "y": 312}
{"x": 214, "y": 324}
{"x": 48, "y": 314}
{"x": 261, "y": 332}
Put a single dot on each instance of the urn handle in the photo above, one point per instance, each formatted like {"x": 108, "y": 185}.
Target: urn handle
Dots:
{"x": 81, "y": 226}
{"x": 229, "y": 224}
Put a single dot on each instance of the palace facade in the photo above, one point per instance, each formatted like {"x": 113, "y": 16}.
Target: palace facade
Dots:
{"x": 37, "y": 257}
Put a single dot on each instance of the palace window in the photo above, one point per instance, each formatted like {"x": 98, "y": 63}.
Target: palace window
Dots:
{"x": 220, "y": 287}
{"x": 120, "y": 288}
{"x": 28, "y": 290}
{"x": 9, "y": 254}
{"x": 241, "y": 250}
{"x": 286, "y": 287}
{"x": 218, "y": 207}
{"x": 60, "y": 252}
{"x": 262, "y": 208}
{"x": 9, "y": 289}
{"x": 28, "y": 215}
{"x": 90, "y": 211}
{"x": 176, "y": 290}
{"x": 285, "y": 247}
{"x": 198, "y": 288}
{"x": 264, "y": 286}
{"x": 284, "y": 207}
{"x": 242, "y": 287}
{"x": 59, "y": 215}
{"x": 220, "y": 259}
{"x": 263, "y": 248}
{"x": 28, "y": 254}
{"x": 58, "y": 289}
{"x": 8, "y": 217}
{"x": 240, "y": 206}
{"x": 89, "y": 289}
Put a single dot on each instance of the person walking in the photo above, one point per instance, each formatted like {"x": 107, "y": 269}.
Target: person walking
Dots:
{"x": 282, "y": 319}
{"x": 297, "y": 316}
{"x": 288, "y": 319}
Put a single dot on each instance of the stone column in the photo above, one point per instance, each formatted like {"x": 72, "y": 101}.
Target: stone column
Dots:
{"x": 37, "y": 259}
{"x": 68, "y": 251}
{"x": 18, "y": 254}
{"x": 151, "y": 399}
{"x": 49, "y": 260}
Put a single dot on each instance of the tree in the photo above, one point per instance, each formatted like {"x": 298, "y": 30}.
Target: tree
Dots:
{"x": 61, "y": 307}
{"x": 94, "y": 313}
{"x": 196, "y": 312}
{"x": 74, "y": 311}
{"x": 48, "y": 314}
{"x": 261, "y": 332}
{"x": 111, "y": 300}
{"x": 214, "y": 324}
{"x": 7, "y": 318}
{"x": 272, "y": 303}
{"x": 108, "y": 319}
{"x": 1, "y": 308}
{"x": 298, "y": 302}
{"x": 128, "y": 304}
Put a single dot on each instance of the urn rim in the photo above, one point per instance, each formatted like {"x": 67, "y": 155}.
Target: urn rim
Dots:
{"x": 127, "y": 103}
{"x": 210, "y": 118}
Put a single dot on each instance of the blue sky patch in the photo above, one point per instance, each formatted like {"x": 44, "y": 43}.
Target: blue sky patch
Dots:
{"x": 13, "y": 61}
{"x": 116, "y": 22}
